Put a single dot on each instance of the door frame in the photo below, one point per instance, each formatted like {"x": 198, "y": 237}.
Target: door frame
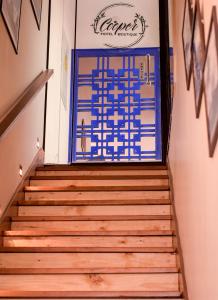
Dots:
{"x": 165, "y": 85}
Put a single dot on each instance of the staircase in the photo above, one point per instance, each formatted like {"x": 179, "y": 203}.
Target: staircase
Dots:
{"x": 92, "y": 232}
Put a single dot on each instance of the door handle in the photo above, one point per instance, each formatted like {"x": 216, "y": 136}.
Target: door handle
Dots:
{"x": 83, "y": 138}
{"x": 148, "y": 82}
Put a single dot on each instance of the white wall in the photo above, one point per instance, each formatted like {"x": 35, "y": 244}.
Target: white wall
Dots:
{"x": 57, "y": 124}
{"x": 195, "y": 175}
{"x": 88, "y": 11}
{"x": 18, "y": 146}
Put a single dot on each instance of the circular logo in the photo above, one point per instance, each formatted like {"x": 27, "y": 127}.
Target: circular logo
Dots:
{"x": 120, "y": 26}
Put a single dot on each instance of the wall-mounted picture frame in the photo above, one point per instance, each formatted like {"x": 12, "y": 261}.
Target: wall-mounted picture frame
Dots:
{"x": 187, "y": 40}
{"x": 11, "y": 13}
{"x": 37, "y": 10}
{"x": 210, "y": 74}
{"x": 198, "y": 52}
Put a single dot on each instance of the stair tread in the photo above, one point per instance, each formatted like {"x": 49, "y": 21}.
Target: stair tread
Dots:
{"x": 44, "y": 271}
{"x": 101, "y": 283}
{"x": 119, "y": 211}
{"x": 100, "y": 197}
{"x": 89, "y": 218}
{"x": 89, "y": 249}
{"x": 88, "y": 167}
{"x": 95, "y": 262}
{"x": 106, "y": 243}
{"x": 113, "y": 295}
{"x": 94, "y": 226}
{"x": 99, "y": 177}
{"x": 87, "y": 233}
{"x": 96, "y": 188}
{"x": 126, "y": 298}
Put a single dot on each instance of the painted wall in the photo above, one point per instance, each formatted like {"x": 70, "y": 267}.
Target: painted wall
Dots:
{"x": 195, "y": 176}
{"x": 62, "y": 22}
{"x": 18, "y": 146}
{"x": 57, "y": 125}
{"x": 88, "y": 11}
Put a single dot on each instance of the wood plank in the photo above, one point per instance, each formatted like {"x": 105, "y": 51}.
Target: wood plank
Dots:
{"x": 89, "y": 242}
{"x": 99, "y": 173}
{"x": 85, "y": 250}
{"x": 106, "y": 210}
{"x": 100, "y": 197}
{"x": 99, "y": 298}
{"x": 102, "y": 177}
{"x": 156, "y": 183}
{"x": 44, "y": 233}
{"x": 69, "y": 298}
{"x": 42, "y": 271}
{"x": 98, "y": 295}
{"x": 70, "y": 202}
{"x": 89, "y": 262}
{"x": 103, "y": 167}
{"x": 95, "y": 188}
{"x": 98, "y": 226}
{"x": 91, "y": 218}
{"x": 93, "y": 282}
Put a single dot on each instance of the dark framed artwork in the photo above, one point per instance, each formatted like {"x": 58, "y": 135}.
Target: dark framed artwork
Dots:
{"x": 211, "y": 83}
{"x": 198, "y": 52}
{"x": 11, "y": 13}
{"x": 37, "y": 10}
{"x": 187, "y": 40}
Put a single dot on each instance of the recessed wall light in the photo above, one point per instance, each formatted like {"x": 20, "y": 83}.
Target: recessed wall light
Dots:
{"x": 21, "y": 171}
{"x": 38, "y": 143}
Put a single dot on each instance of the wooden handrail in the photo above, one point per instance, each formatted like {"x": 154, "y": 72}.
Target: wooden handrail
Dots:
{"x": 38, "y": 83}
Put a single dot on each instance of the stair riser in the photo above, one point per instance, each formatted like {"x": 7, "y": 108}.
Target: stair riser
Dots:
{"x": 104, "y": 173}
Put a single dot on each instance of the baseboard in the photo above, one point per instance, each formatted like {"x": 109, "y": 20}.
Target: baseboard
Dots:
{"x": 11, "y": 209}
{"x": 177, "y": 240}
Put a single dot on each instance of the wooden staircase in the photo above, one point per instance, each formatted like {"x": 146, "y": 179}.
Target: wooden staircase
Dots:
{"x": 92, "y": 232}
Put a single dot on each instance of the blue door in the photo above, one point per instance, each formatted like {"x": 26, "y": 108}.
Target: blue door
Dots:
{"x": 117, "y": 106}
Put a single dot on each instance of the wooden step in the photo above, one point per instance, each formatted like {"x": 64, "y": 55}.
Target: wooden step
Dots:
{"x": 99, "y": 298}
{"x": 45, "y": 233}
{"x": 99, "y": 173}
{"x": 92, "y": 285}
{"x": 94, "y": 226}
{"x": 100, "y": 178}
{"x": 85, "y": 250}
{"x": 96, "y": 197}
{"x": 106, "y": 188}
{"x": 107, "y": 242}
{"x": 102, "y": 167}
{"x": 90, "y": 218}
{"x": 87, "y": 263}
{"x": 150, "y": 184}
{"x": 97, "y": 211}
{"x": 94, "y": 295}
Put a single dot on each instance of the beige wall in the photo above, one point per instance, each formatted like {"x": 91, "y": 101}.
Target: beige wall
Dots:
{"x": 18, "y": 146}
{"x": 195, "y": 176}
{"x": 57, "y": 124}
{"x": 17, "y": 71}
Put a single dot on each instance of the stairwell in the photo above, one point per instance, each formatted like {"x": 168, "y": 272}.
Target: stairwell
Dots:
{"x": 93, "y": 232}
